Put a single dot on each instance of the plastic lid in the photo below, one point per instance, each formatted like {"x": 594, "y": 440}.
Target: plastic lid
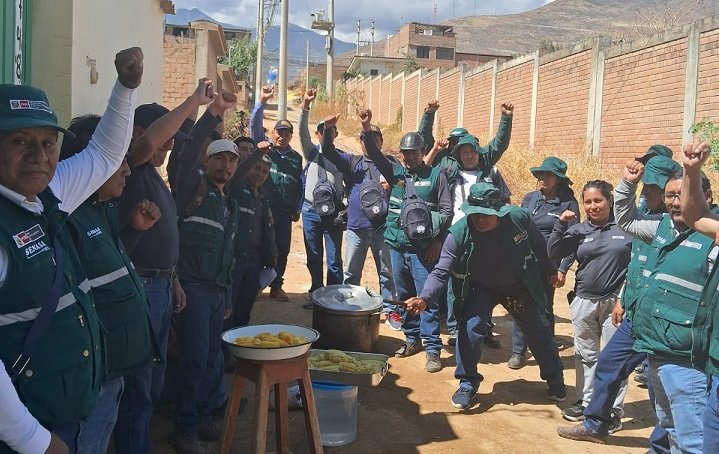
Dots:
{"x": 346, "y": 298}
{"x": 330, "y": 386}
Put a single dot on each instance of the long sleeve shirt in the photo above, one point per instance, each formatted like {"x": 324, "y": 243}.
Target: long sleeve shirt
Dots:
{"x": 311, "y": 172}
{"x": 75, "y": 179}
{"x": 628, "y": 217}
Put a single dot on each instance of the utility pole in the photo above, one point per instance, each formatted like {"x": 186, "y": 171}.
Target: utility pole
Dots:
{"x": 371, "y": 43}
{"x": 307, "y": 67}
{"x": 329, "y": 85}
{"x": 358, "y": 37}
{"x": 260, "y": 49}
{"x": 282, "y": 76}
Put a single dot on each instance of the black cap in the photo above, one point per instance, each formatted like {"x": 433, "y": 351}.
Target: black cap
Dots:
{"x": 147, "y": 114}
{"x": 246, "y": 139}
{"x": 284, "y": 124}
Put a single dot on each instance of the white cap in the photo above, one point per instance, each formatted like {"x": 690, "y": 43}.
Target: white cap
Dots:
{"x": 219, "y": 146}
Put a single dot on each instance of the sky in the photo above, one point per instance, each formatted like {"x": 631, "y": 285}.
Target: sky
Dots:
{"x": 387, "y": 14}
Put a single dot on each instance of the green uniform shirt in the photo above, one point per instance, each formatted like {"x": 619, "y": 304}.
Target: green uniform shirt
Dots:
{"x": 248, "y": 207}
{"x": 284, "y": 187}
{"x": 62, "y": 378}
{"x": 118, "y": 293}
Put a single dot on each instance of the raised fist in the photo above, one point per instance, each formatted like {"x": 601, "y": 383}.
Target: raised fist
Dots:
{"x": 128, "y": 64}
{"x": 144, "y": 215}
{"x": 365, "y": 117}
{"x": 633, "y": 171}
{"x": 507, "y": 109}
{"x": 567, "y": 216}
{"x": 266, "y": 94}
{"x": 432, "y": 106}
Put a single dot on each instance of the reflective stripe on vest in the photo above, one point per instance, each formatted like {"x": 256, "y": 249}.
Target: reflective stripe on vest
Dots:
{"x": 646, "y": 273}
{"x": 205, "y": 221}
{"x": 64, "y": 301}
{"x": 642, "y": 258}
{"x": 395, "y": 199}
{"x": 109, "y": 277}
{"x": 457, "y": 275}
{"x": 679, "y": 281}
{"x": 246, "y": 210}
{"x": 286, "y": 175}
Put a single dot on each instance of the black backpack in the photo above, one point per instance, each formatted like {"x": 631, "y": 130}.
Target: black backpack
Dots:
{"x": 415, "y": 216}
{"x": 326, "y": 202}
{"x": 372, "y": 196}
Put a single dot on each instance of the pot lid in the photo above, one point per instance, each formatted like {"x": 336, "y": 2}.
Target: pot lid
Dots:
{"x": 346, "y": 298}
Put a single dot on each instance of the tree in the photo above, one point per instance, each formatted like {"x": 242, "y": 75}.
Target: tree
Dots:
{"x": 241, "y": 56}
{"x": 410, "y": 65}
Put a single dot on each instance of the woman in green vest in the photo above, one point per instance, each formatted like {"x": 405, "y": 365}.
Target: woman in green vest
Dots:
{"x": 495, "y": 255}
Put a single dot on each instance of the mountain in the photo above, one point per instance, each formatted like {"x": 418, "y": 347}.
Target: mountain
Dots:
{"x": 296, "y": 43}
{"x": 566, "y": 22}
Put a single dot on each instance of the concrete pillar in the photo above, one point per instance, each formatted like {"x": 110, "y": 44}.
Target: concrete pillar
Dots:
{"x": 202, "y": 56}
{"x": 598, "y": 73}
{"x": 401, "y": 99}
{"x": 691, "y": 82}
{"x": 389, "y": 99}
{"x": 492, "y": 99}
{"x": 535, "y": 95}
{"x": 460, "y": 97}
{"x": 596, "y": 80}
{"x": 419, "y": 90}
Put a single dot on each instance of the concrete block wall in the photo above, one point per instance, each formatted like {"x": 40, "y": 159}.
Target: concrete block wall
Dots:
{"x": 428, "y": 93}
{"x": 409, "y": 110}
{"x": 395, "y": 104}
{"x": 477, "y": 109}
{"x": 708, "y": 77}
{"x": 515, "y": 85}
{"x": 447, "y": 116}
{"x": 384, "y": 105}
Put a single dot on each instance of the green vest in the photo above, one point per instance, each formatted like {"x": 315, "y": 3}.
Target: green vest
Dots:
{"x": 515, "y": 238}
{"x": 283, "y": 187}
{"x": 637, "y": 272}
{"x": 207, "y": 238}
{"x": 62, "y": 378}
{"x": 118, "y": 293}
{"x": 426, "y": 185}
{"x": 663, "y": 315}
{"x": 248, "y": 206}
{"x": 705, "y": 326}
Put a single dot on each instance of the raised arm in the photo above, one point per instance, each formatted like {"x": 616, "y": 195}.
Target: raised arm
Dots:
{"x": 569, "y": 259}
{"x": 78, "y": 177}
{"x": 439, "y": 145}
{"x": 385, "y": 166}
{"x": 499, "y": 144}
{"x": 190, "y": 157}
{"x": 305, "y": 136}
{"x": 244, "y": 167}
{"x": 626, "y": 214}
{"x": 343, "y": 161}
{"x": 563, "y": 242}
{"x": 426, "y": 125}
{"x": 695, "y": 210}
{"x": 256, "y": 127}
{"x": 165, "y": 127}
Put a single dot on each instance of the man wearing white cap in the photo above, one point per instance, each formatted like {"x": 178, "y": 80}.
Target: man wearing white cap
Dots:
{"x": 207, "y": 219}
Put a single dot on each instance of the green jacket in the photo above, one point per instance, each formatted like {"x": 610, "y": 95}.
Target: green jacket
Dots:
{"x": 62, "y": 379}
{"x": 119, "y": 297}
{"x": 284, "y": 187}
{"x": 705, "y": 327}
{"x": 207, "y": 235}
{"x": 637, "y": 272}
{"x": 664, "y": 311}
{"x": 428, "y": 182}
{"x": 516, "y": 238}
{"x": 249, "y": 206}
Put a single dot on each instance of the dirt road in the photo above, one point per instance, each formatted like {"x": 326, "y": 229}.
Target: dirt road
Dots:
{"x": 410, "y": 411}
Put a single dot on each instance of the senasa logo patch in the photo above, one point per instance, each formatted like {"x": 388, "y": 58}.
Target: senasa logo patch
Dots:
{"x": 94, "y": 232}
{"x": 35, "y": 249}
{"x": 28, "y": 236}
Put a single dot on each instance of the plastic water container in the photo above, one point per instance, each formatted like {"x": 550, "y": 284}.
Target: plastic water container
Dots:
{"x": 336, "y": 412}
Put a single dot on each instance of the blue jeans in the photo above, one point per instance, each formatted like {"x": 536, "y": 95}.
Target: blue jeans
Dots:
{"x": 201, "y": 364}
{"x": 616, "y": 362}
{"x": 283, "y": 239}
{"x": 472, "y": 329}
{"x": 358, "y": 241}
{"x": 711, "y": 418}
{"x": 92, "y": 435}
{"x": 245, "y": 284}
{"x": 519, "y": 344}
{"x": 317, "y": 228}
{"x": 681, "y": 397}
{"x": 143, "y": 387}
{"x": 410, "y": 273}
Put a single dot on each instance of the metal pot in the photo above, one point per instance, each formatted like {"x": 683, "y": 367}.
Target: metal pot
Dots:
{"x": 347, "y": 317}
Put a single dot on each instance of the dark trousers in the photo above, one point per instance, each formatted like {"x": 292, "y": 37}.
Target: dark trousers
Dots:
{"x": 201, "y": 364}
{"x": 143, "y": 387}
{"x": 472, "y": 329}
{"x": 283, "y": 239}
{"x": 322, "y": 237}
{"x": 245, "y": 284}
{"x": 519, "y": 344}
{"x": 615, "y": 363}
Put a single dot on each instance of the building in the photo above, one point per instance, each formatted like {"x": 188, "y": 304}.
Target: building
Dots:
{"x": 367, "y": 66}
{"x": 68, "y": 47}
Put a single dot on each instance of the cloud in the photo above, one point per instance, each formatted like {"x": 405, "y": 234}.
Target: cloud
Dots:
{"x": 388, "y": 15}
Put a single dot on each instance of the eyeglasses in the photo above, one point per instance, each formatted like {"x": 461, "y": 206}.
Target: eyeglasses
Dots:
{"x": 671, "y": 197}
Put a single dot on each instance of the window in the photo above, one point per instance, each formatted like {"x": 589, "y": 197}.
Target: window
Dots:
{"x": 374, "y": 72}
{"x": 445, "y": 53}
{"x": 422, "y": 51}
{"x": 427, "y": 32}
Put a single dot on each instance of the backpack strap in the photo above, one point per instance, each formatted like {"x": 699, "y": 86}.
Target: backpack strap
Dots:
{"x": 409, "y": 192}
{"x": 372, "y": 173}
{"x": 321, "y": 165}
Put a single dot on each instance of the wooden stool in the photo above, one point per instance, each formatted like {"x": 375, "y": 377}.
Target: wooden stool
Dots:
{"x": 264, "y": 374}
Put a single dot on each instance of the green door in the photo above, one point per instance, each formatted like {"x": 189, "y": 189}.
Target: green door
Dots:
{"x": 15, "y": 41}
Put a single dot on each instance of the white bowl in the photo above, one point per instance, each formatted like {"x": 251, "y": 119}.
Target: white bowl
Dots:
{"x": 264, "y": 353}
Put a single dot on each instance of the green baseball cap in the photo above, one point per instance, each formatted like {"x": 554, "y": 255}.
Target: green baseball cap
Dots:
{"x": 467, "y": 139}
{"x": 655, "y": 150}
{"x": 23, "y": 106}
{"x": 484, "y": 198}
{"x": 658, "y": 170}
{"x": 458, "y": 132}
